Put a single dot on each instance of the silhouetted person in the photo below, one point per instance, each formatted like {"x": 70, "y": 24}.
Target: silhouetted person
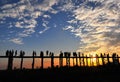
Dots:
{"x": 75, "y": 55}
{"x": 92, "y": 61}
{"x": 86, "y": 60}
{"x": 69, "y": 58}
{"x": 41, "y": 56}
{"x": 47, "y": 52}
{"x": 102, "y": 56}
{"x": 117, "y": 59}
{"x": 7, "y": 53}
{"x": 73, "y": 61}
{"x": 12, "y": 52}
{"x": 52, "y": 59}
{"x": 114, "y": 58}
{"x": 97, "y": 59}
{"x": 22, "y": 53}
{"x": 108, "y": 59}
{"x": 34, "y": 54}
{"x": 10, "y": 59}
{"x": 67, "y": 54}
{"x": 61, "y": 59}
{"x": 79, "y": 58}
{"x": 90, "y": 57}
{"x": 105, "y": 56}
{"x": 15, "y": 52}
{"x": 83, "y": 60}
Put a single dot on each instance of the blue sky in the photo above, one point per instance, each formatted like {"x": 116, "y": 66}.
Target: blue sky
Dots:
{"x": 88, "y": 26}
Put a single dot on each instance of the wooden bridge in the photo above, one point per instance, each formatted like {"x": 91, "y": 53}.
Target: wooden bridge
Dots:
{"x": 78, "y": 58}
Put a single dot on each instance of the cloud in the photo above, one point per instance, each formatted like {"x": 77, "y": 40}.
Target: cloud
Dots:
{"x": 97, "y": 26}
{"x": 26, "y": 32}
{"x": 45, "y": 25}
{"x": 40, "y": 32}
{"x": 16, "y": 41}
{"x": 67, "y": 5}
{"x": 25, "y": 23}
{"x": 25, "y": 13}
{"x": 46, "y": 16}
{"x": 95, "y": 22}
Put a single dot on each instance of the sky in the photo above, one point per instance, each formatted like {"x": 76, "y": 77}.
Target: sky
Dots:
{"x": 88, "y": 26}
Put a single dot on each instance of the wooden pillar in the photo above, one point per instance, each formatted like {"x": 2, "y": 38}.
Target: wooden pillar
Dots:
{"x": 41, "y": 56}
{"x": 21, "y": 65}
